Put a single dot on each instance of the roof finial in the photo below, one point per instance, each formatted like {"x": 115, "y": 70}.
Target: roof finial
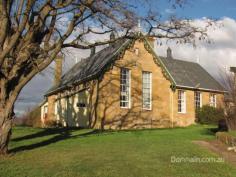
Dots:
{"x": 198, "y": 60}
{"x": 139, "y": 25}
{"x": 76, "y": 59}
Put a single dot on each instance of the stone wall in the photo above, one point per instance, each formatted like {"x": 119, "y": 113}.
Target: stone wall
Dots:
{"x": 111, "y": 115}
{"x": 188, "y": 118}
{"x": 164, "y": 112}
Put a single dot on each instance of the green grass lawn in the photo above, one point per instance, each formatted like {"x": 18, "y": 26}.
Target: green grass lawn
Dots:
{"x": 45, "y": 152}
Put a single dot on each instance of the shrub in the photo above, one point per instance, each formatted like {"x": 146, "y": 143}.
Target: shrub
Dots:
{"x": 209, "y": 115}
{"x": 226, "y": 138}
{"x": 51, "y": 124}
{"x": 222, "y": 125}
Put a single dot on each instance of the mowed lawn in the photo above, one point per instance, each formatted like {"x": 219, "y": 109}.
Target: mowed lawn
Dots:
{"x": 60, "y": 152}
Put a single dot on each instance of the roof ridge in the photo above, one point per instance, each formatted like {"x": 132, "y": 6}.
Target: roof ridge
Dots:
{"x": 83, "y": 60}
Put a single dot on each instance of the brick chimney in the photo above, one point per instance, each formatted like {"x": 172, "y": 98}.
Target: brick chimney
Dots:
{"x": 169, "y": 53}
{"x": 58, "y": 69}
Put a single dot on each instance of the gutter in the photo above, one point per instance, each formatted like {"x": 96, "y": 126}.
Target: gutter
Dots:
{"x": 204, "y": 89}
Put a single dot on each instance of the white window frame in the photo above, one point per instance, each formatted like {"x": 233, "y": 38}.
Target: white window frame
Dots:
{"x": 200, "y": 99}
{"x": 182, "y": 101}
{"x": 212, "y": 101}
{"x": 128, "y": 86}
{"x": 45, "y": 111}
{"x": 136, "y": 50}
{"x": 150, "y": 90}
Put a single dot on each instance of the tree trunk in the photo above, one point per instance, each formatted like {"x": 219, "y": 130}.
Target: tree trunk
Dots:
{"x": 7, "y": 100}
{"x": 6, "y": 117}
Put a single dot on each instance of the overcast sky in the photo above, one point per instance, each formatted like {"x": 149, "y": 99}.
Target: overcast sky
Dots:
{"x": 213, "y": 57}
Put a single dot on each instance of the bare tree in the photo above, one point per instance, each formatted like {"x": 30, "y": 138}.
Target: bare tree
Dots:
{"x": 229, "y": 81}
{"x": 32, "y": 33}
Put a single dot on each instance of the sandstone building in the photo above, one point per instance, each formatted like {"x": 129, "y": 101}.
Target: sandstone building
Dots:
{"x": 127, "y": 85}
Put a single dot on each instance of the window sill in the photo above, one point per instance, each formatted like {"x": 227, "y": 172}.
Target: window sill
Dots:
{"x": 146, "y": 109}
{"x": 124, "y": 107}
{"x": 181, "y": 112}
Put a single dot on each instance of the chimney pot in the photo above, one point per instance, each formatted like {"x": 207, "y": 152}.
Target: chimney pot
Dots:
{"x": 169, "y": 53}
{"x": 58, "y": 69}
{"x": 198, "y": 60}
{"x": 112, "y": 36}
{"x": 93, "y": 51}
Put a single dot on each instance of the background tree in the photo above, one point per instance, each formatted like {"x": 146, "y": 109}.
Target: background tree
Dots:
{"x": 228, "y": 79}
{"x": 33, "y": 32}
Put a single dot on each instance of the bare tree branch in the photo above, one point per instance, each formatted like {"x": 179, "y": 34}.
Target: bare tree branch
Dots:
{"x": 32, "y": 33}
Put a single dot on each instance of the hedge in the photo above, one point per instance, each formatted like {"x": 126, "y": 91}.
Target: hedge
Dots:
{"x": 209, "y": 115}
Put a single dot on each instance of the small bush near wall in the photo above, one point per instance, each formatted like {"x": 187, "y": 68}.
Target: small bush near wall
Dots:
{"x": 52, "y": 124}
{"x": 209, "y": 115}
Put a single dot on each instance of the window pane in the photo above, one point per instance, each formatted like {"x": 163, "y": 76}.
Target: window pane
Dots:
{"x": 197, "y": 99}
{"x": 181, "y": 101}
{"x": 124, "y": 88}
{"x": 147, "y": 85}
{"x": 213, "y": 100}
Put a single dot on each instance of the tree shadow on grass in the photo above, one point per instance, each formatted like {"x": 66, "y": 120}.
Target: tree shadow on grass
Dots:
{"x": 210, "y": 131}
{"x": 44, "y": 132}
{"x": 60, "y": 135}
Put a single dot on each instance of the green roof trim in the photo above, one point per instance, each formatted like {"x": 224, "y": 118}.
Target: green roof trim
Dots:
{"x": 158, "y": 61}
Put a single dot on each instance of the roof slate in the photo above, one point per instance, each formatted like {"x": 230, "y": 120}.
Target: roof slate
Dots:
{"x": 189, "y": 74}
{"x": 91, "y": 66}
{"x": 184, "y": 73}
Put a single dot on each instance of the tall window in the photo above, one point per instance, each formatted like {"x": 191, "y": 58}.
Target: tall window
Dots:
{"x": 45, "y": 111}
{"x": 213, "y": 100}
{"x": 181, "y": 101}
{"x": 124, "y": 88}
{"x": 198, "y": 100}
{"x": 147, "y": 90}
